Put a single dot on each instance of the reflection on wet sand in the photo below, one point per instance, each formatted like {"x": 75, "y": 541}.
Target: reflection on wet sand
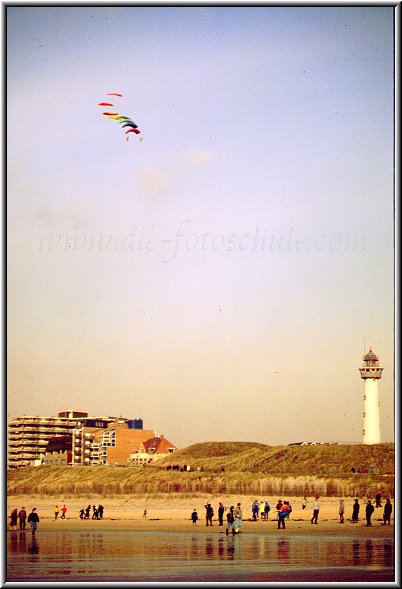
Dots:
{"x": 18, "y": 542}
{"x": 33, "y": 546}
{"x": 156, "y": 556}
{"x": 283, "y": 551}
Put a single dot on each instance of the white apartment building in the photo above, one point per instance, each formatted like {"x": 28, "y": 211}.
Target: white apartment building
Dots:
{"x": 28, "y": 436}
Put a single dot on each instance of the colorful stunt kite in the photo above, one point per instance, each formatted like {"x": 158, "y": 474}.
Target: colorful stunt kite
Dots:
{"x": 121, "y": 119}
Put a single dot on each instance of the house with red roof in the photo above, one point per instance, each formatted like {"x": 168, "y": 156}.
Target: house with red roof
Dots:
{"x": 151, "y": 450}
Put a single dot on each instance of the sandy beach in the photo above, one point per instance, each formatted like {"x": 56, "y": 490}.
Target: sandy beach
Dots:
{"x": 173, "y": 514}
{"x": 166, "y": 546}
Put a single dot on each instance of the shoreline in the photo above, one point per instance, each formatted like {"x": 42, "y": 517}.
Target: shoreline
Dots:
{"x": 293, "y": 528}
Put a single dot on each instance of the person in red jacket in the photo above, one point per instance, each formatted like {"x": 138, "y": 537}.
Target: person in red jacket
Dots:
{"x": 283, "y": 512}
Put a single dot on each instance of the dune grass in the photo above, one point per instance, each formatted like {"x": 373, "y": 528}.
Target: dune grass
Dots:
{"x": 227, "y": 468}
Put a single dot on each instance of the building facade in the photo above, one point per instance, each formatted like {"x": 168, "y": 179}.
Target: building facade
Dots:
{"x": 152, "y": 450}
{"x": 28, "y": 436}
{"x": 58, "y": 451}
{"x": 33, "y": 440}
{"x": 110, "y": 445}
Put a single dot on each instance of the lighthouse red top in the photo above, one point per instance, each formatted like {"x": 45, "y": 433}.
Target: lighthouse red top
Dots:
{"x": 370, "y": 359}
{"x": 371, "y": 366}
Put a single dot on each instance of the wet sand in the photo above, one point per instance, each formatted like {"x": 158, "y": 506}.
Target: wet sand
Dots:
{"x": 173, "y": 513}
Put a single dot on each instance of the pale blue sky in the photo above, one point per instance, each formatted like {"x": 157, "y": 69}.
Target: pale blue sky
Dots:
{"x": 257, "y": 123}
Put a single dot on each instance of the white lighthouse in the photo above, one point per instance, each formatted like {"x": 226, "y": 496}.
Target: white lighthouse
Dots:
{"x": 371, "y": 373}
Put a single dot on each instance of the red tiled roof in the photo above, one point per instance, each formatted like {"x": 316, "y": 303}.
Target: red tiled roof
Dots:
{"x": 158, "y": 445}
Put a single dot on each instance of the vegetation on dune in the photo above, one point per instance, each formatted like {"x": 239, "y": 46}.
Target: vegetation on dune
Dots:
{"x": 321, "y": 460}
{"x": 216, "y": 449}
{"x": 227, "y": 468}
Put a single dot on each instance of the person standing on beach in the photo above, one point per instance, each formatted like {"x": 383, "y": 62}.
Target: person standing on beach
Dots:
{"x": 100, "y": 511}
{"x": 283, "y": 513}
{"x": 387, "y": 512}
{"x": 221, "y": 511}
{"x": 238, "y": 515}
{"x": 278, "y": 508}
{"x": 13, "y": 519}
{"x": 267, "y": 509}
{"x": 230, "y": 521}
{"x": 341, "y": 511}
{"x": 355, "y": 512}
{"x": 209, "y": 514}
{"x": 255, "y": 508}
{"x": 369, "y": 512}
{"x": 287, "y": 503}
{"x": 378, "y": 499}
{"x": 87, "y": 510}
{"x": 33, "y": 520}
{"x": 194, "y": 516}
{"x": 22, "y": 516}
{"x": 56, "y": 512}
{"x": 262, "y": 510}
{"x": 63, "y": 512}
{"x": 315, "y": 506}
{"x": 145, "y": 513}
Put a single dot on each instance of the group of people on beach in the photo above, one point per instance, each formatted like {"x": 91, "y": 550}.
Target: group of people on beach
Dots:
{"x": 21, "y": 517}
{"x": 369, "y": 511}
{"x": 234, "y": 515}
{"x": 261, "y": 510}
{"x": 57, "y": 511}
{"x": 97, "y": 512}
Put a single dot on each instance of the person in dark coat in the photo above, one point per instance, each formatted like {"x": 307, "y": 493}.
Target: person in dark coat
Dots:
{"x": 194, "y": 516}
{"x": 355, "y": 512}
{"x": 230, "y": 521}
{"x": 33, "y": 520}
{"x": 369, "y": 512}
{"x": 221, "y": 511}
{"x": 209, "y": 514}
{"x": 22, "y": 516}
{"x": 267, "y": 509}
{"x": 100, "y": 511}
{"x": 378, "y": 499}
{"x": 255, "y": 508}
{"x": 278, "y": 508}
{"x": 387, "y": 512}
{"x": 13, "y": 519}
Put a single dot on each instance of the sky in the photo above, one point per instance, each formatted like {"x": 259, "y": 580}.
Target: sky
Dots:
{"x": 221, "y": 278}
